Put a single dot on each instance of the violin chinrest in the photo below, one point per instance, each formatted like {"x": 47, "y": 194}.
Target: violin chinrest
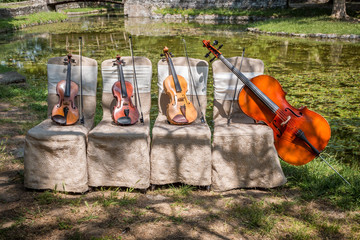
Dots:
{"x": 180, "y": 119}
{"x": 124, "y": 120}
{"x": 59, "y": 119}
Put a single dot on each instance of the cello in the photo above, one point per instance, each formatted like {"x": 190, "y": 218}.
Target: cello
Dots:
{"x": 299, "y": 134}
{"x": 124, "y": 112}
{"x": 180, "y": 110}
{"x": 65, "y": 112}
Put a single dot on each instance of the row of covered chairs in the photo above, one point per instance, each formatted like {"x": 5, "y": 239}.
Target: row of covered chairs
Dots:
{"x": 74, "y": 158}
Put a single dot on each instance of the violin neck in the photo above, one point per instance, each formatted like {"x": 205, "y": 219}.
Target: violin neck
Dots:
{"x": 267, "y": 101}
{"x": 68, "y": 81}
{"x": 173, "y": 73}
{"x": 121, "y": 79}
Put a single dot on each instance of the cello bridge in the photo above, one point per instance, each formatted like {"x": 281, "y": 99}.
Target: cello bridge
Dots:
{"x": 286, "y": 121}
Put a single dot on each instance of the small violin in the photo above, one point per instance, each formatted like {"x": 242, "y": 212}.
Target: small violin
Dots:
{"x": 65, "y": 112}
{"x": 124, "y": 112}
{"x": 300, "y": 134}
{"x": 180, "y": 110}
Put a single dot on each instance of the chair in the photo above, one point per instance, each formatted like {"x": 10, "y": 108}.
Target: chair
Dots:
{"x": 119, "y": 155}
{"x": 55, "y": 156}
{"x": 243, "y": 153}
{"x": 182, "y": 153}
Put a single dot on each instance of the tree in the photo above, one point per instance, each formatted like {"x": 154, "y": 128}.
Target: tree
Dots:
{"x": 339, "y": 9}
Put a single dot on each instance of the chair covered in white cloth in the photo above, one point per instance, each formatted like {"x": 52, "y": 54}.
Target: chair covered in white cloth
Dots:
{"x": 182, "y": 153}
{"x": 243, "y": 153}
{"x": 55, "y": 156}
{"x": 120, "y": 155}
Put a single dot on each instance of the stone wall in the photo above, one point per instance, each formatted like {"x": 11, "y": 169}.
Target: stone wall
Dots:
{"x": 24, "y": 8}
{"x": 145, "y": 8}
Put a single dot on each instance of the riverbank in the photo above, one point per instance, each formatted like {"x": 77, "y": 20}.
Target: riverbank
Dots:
{"x": 315, "y": 22}
{"x": 20, "y": 22}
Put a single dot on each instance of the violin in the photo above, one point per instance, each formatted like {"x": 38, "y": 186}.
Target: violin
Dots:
{"x": 300, "y": 134}
{"x": 65, "y": 112}
{"x": 124, "y": 112}
{"x": 180, "y": 110}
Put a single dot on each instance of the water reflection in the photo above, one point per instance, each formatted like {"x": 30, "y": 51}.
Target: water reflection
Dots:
{"x": 107, "y": 35}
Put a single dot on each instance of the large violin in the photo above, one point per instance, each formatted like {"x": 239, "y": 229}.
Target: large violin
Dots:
{"x": 300, "y": 134}
{"x": 180, "y": 110}
{"x": 65, "y": 112}
{"x": 124, "y": 112}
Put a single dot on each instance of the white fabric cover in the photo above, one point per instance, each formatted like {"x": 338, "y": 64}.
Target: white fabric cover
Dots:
{"x": 55, "y": 156}
{"x": 182, "y": 153}
{"x": 119, "y": 155}
{"x": 243, "y": 153}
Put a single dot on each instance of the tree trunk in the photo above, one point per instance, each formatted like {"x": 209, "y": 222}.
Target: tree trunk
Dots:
{"x": 339, "y": 10}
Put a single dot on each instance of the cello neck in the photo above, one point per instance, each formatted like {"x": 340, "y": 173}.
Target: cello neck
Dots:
{"x": 265, "y": 99}
{"x": 121, "y": 77}
{"x": 68, "y": 77}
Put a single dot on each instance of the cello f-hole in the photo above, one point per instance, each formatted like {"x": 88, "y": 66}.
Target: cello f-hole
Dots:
{"x": 293, "y": 112}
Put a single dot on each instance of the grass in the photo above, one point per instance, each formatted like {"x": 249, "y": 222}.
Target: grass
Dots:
{"x": 4, "y": 69}
{"x": 32, "y": 19}
{"x": 309, "y": 25}
{"x": 292, "y": 20}
{"x": 275, "y": 12}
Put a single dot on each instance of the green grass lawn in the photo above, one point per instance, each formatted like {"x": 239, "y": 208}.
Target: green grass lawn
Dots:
{"x": 292, "y": 20}
{"x": 308, "y": 25}
{"x": 36, "y": 18}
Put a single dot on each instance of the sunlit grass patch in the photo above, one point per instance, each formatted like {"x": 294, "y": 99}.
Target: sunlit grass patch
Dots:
{"x": 307, "y": 25}
{"x": 270, "y": 12}
{"x": 36, "y": 18}
{"x": 113, "y": 198}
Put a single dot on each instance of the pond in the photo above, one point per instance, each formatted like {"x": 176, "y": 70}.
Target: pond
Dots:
{"x": 321, "y": 74}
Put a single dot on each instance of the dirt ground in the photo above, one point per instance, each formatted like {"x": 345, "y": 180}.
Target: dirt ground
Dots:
{"x": 167, "y": 212}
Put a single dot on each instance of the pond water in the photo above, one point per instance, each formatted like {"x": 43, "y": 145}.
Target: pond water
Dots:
{"x": 322, "y": 74}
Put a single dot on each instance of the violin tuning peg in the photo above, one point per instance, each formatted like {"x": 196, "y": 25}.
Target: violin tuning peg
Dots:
{"x": 171, "y": 55}
{"x": 161, "y": 55}
{"x": 212, "y": 59}
{"x": 207, "y": 55}
{"x": 220, "y": 46}
{"x": 215, "y": 42}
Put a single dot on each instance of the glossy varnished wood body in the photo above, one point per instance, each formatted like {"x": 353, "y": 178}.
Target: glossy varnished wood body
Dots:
{"x": 289, "y": 147}
{"x": 65, "y": 104}
{"x": 124, "y": 103}
{"x": 180, "y": 110}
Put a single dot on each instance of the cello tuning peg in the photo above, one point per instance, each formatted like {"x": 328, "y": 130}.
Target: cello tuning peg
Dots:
{"x": 220, "y": 46}
{"x": 212, "y": 59}
{"x": 207, "y": 55}
{"x": 215, "y": 42}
